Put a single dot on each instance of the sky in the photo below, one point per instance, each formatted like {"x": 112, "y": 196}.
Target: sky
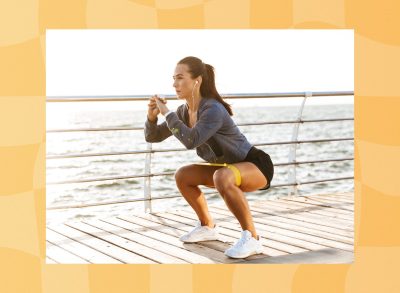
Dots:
{"x": 142, "y": 62}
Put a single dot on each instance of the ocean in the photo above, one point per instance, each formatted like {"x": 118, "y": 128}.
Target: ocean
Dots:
{"x": 100, "y": 192}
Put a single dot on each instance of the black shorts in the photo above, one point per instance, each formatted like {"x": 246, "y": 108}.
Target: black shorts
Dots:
{"x": 263, "y": 161}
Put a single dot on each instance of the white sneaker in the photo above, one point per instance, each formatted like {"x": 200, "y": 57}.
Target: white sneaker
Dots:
{"x": 245, "y": 246}
{"x": 200, "y": 233}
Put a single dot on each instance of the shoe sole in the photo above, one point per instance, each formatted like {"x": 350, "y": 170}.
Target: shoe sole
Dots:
{"x": 246, "y": 255}
{"x": 193, "y": 241}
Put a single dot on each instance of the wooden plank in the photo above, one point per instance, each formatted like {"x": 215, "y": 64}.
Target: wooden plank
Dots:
{"x": 286, "y": 217}
{"x": 306, "y": 217}
{"x": 193, "y": 253}
{"x": 134, "y": 247}
{"x": 271, "y": 218}
{"x": 176, "y": 229}
{"x": 303, "y": 216}
{"x": 318, "y": 223}
{"x": 271, "y": 245}
{"x": 237, "y": 230}
{"x": 217, "y": 245}
{"x": 310, "y": 202}
{"x": 157, "y": 243}
{"x": 81, "y": 250}
{"x": 232, "y": 236}
{"x": 326, "y": 201}
{"x": 148, "y": 247}
{"x": 327, "y": 215}
{"x": 263, "y": 221}
{"x": 342, "y": 206}
{"x": 317, "y": 209}
{"x": 349, "y": 197}
{"x": 332, "y": 200}
{"x": 62, "y": 256}
{"x": 313, "y": 209}
{"x": 346, "y": 193}
{"x": 307, "y": 240}
{"x": 102, "y": 246}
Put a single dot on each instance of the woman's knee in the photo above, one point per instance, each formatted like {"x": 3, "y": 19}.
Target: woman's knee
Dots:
{"x": 223, "y": 179}
{"x": 184, "y": 175}
{"x": 180, "y": 174}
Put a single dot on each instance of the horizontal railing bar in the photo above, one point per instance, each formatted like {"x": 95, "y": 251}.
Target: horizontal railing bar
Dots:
{"x": 50, "y": 157}
{"x": 314, "y": 181}
{"x": 116, "y": 98}
{"x": 241, "y": 124}
{"x": 304, "y": 141}
{"x": 110, "y": 178}
{"x": 94, "y": 129}
{"x": 114, "y": 153}
{"x": 327, "y": 180}
{"x": 296, "y": 121}
{"x": 121, "y": 201}
{"x": 172, "y": 173}
{"x": 178, "y": 195}
{"x": 315, "y": 161}
{"x": 110, "y": 202}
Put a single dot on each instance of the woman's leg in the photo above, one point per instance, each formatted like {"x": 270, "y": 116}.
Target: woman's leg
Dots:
{"x": 188, "y": 178}
{"x": 252, "y": 179}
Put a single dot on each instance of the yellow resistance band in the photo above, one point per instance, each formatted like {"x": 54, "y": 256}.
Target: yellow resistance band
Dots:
{"x": 235, "y": 170}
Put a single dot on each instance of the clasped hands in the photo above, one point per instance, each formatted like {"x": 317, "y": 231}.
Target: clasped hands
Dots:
{"x": 156, "y": 106}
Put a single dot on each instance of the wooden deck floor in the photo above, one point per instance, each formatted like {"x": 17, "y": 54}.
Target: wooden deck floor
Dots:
{"x": 310, "y": 229}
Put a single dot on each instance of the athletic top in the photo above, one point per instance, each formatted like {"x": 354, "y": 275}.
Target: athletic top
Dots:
{"x": 215, "y": 136}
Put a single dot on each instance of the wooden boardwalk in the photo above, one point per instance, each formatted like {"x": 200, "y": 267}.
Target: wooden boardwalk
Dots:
{"x": 303, "y": 229}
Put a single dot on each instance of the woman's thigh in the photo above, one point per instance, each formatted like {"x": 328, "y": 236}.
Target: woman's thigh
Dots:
{"x": 195, "y": 175}
{"x": 252, "y": 178}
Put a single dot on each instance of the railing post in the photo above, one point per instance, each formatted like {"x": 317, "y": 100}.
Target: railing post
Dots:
{"x": 147, "y": 180}
{"x": 293, "y": 148}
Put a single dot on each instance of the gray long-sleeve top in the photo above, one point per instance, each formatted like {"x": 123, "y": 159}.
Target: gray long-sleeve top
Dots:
{"x": 215, "y": 136}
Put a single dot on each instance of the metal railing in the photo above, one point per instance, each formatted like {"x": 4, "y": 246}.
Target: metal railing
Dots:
{"x": 148, "y": 198}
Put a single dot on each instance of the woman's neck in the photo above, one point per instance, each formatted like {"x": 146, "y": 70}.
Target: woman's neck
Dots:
{"x": 193, "y": 104}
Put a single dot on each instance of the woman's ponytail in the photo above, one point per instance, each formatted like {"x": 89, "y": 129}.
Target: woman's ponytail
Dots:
{"x": 208, "y": 88}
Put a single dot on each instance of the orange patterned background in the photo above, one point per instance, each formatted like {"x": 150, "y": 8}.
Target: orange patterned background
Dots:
{"x": 23, "y": 26}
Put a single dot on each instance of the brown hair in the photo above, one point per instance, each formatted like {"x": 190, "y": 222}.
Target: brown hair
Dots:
{"x": 207, "y": 88}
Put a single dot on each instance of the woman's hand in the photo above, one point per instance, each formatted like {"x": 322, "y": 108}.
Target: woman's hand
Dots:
{"x": 152, "y": 110}
{"x": 161, "y": 105}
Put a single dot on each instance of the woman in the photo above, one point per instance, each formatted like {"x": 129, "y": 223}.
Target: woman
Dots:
{"x": 234, "y": 165}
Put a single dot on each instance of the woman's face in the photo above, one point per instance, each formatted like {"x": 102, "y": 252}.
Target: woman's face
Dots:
{"x": 183, "y": 82}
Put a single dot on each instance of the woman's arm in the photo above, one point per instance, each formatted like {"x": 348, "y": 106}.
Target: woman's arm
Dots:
{"x": 210, "y": 120}
{"x": 154, "y": 132}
